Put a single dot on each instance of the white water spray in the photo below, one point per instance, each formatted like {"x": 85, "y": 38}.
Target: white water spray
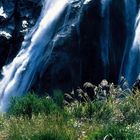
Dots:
{"x": 130, "y": 16}
{"x": 133, "y": 67}
{"x": 18, "y": 75}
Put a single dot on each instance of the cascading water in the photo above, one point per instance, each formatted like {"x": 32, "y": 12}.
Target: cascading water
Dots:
{"x": 36, "y": 52}
{"x": 130, "y": 15}
{"x": 18, "y": 75}
{"x": 105, "y": 36}
{"x": 133, "y": 66}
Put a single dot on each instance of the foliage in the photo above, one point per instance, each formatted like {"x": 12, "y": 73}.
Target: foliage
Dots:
{"x": 58, "y": 98}
{"x": 32, "y": 104}
{"x": 39, "y": 127}
{"x": 103, "y": 112}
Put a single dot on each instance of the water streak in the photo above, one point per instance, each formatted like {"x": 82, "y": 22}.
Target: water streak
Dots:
{"x": 18, "y": 76}
{"x": 130, "y": 15}
{"x": 133, "y": 66}
{"x": 105, "y": 36}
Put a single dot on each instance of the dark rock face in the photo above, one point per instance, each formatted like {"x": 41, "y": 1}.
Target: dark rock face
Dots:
{"x": 62, "y": 71}
{"x": 81, "y": 60}
{"x": 16, "y": 19}
{"x": 118, "y": 38}
{"x": 76, "y": 56}
{"x": 90, "y": 43}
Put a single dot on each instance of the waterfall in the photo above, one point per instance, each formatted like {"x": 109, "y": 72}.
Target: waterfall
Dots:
{"x": 18, "y": 75}
{"x": 105, "y": 36}
{"x": 133, "y": 66}
{"x": 130, "y": 15}
{"x": 36, "y": 51}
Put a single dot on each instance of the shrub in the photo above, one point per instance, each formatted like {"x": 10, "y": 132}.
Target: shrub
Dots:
{"x": 39, "y": 127}
{"x": 115, "y": 131}
{"x": 112, "y": 113}
{"x": 58, "y": 98}
{"x": 32, "y": 104}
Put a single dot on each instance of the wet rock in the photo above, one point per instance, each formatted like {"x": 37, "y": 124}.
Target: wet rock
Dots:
{"x": 75, "y": 49}
{"x": 136, "y": 85}
{"x": 13, "y": 14}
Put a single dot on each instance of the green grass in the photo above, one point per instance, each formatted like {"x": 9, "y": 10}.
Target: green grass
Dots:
{"x": 112, "y": 114}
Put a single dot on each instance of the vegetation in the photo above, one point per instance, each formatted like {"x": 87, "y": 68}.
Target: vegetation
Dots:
{"x": 103, "y": 112}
